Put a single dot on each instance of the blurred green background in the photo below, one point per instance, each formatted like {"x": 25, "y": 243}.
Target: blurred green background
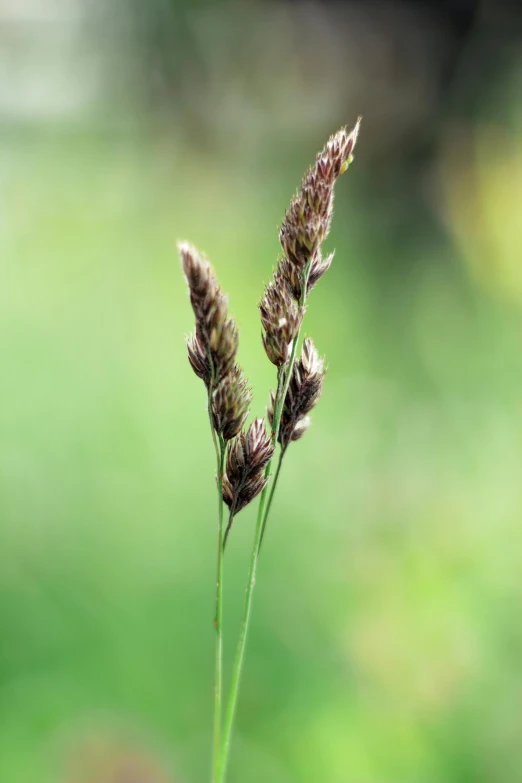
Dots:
{"x": 386, "y": 641}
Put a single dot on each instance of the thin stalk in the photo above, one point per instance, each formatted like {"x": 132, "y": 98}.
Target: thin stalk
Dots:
{"x": 229, "y": 525}
{"x": 282, "y": 389}
{"x": 240, "y": 652}
{"x": 283, "y": 379}
{"x": 220, "y": 447}
{"x": 271, "y": 493}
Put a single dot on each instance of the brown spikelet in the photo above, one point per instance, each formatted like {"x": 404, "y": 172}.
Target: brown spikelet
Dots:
{"x": 281, "y": 318}
{"x": 212, "y": 350}
{"x": 208, "y": 302}
{"x": 319, "y": 266}
{"x": 224, "y": 341}
{"x": 304, "y": 391}
{"x": 230, "y": 403}
{"x": 198, "y": 359}
{"x": 308, "y": 218}
{"x": 293, "y": 275}
{"x": 247, "y": 457}
{"x": 300, "y": 428}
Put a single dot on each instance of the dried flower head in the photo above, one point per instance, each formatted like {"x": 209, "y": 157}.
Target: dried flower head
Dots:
{"x": 281, "y": 318}
{"x": 308, "y": 218}
{"x": 212, "y": 350}
{"x": 198, "y": 359}
{"x": 318, "y": 267}
{"x": 224, "y": 342}
{"x": 304, "y": 391}
{"x": 293, "y": 275}
{"x": 230, "y": 402}
{"x": 247, "y": 457}
{"x": 210, "y": 305}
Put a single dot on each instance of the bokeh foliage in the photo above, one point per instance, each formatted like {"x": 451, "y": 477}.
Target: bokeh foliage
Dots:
{"x": 386, "y": 639}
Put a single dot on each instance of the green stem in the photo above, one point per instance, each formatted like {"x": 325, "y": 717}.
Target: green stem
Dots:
{"x": 271, "y": 494}
{"x": 221, "y": 448}
{"x": 240, "y": 652}
{"x": 283, "y": 381}
{"x": 229, "y": 525}
{"x": 282, "y": 389}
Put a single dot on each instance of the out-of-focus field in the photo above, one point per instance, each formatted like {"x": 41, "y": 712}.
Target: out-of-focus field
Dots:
{"x": 386, "y": 639}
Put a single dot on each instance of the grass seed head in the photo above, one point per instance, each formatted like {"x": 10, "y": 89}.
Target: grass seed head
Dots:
{"x": 248, "y": 455}
{"x": 198, "y": 359}
{"x": 281, "y": 317}
{"x": 212, "y": 350}
{"x": 224, "y": 342}
{"x": 304, "y": 391}
{"x": 308, "y": 218}
{"x": 230, "y": 403}
{"x": 209, "y": 303}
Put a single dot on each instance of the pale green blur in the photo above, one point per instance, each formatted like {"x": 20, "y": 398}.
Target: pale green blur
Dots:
{"x": 386, "y": 637}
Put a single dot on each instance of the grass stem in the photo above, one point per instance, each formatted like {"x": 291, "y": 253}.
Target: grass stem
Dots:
{"x": 241, "y": 646}
{"x": 273, "y": 486}
{"x": 220, "y": 447}
{"x": 283, "y": 377}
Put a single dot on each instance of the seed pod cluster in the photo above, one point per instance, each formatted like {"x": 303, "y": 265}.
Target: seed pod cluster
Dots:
{"x": 305, "y": 226}
{"x": 230, "y": 403}
{"x": 309, "y": 216}
{"x": 281, "y": 317}
{"x": 304, "y": 391}
{"x": 212, "y": 349}
{"x": 247, "y": 457}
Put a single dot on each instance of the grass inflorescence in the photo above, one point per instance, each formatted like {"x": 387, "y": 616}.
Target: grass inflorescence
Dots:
{"x": 244, "y": 456}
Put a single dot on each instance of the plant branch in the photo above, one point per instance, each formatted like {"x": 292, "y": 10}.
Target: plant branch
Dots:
{"x": 271, "y": 493}
{"x": 229, "y": 525}
{"x": 240, "y": 652}
{"x": 221, "y": 448}
{"x": 282, "y": 389}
